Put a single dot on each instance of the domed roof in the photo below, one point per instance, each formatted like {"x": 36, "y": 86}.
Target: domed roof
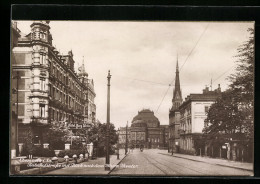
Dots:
{"x": 139, "y": 123}
{"x": 146, "y": 116}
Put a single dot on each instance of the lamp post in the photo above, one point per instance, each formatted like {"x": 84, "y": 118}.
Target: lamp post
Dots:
{"x": 118, "y": 144}
{"x": 15, "y": 164}
{"x": 126, "y": 139}
{"x": 15, "y": 125}
{"x": 107, "y": 166}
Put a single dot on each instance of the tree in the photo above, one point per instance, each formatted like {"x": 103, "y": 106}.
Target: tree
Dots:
{"x": 224, "y": 119}
{"x": 231, "y": 116}
{"x": 97, "y": 135}
{"x": 242, "y": 83}
{"x": 58, "y": 134}
{"x": 29, "y": 147}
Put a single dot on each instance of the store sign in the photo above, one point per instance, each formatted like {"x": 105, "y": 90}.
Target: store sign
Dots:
{"x": 78, "y": 126}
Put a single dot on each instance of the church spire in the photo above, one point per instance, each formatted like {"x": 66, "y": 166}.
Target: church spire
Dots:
{"x": 177, "y": 87}
{"x": 177, "y": 96}
{"x": 177, "y": 66}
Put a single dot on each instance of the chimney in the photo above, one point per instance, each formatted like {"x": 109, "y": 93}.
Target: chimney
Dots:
{"x": 219, "y": 89}
{"x": 206, "y": 90}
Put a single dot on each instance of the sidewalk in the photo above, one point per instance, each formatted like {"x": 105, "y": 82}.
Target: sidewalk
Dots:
{"x": 91, "y": 167}
{"x": 213, "y": 161}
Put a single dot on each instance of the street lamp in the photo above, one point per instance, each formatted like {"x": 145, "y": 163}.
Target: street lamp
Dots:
{"x": 126, "y": 139}
{"x": 107, "y": 167}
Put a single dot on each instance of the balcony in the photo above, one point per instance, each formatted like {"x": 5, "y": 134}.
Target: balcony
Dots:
{"x": 78, "y": 112}
{"x": 182, "y": 132}
{"x": 39, "y": 121}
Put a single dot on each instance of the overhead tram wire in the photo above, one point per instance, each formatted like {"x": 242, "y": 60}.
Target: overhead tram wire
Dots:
{"x": 224, "y": 73}
{"x": 151, "y": 82}
{"x": 141, "y": 80}
{"x": 184, "y": 63}
{"x": 195, "y": 46}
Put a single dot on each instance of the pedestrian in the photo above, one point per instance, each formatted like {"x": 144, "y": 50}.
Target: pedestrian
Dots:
{"x": 172, "y": 151}
{"x": 132, "y": 148}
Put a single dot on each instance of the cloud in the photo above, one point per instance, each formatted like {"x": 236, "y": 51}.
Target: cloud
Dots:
{"x": 147, "y": 51}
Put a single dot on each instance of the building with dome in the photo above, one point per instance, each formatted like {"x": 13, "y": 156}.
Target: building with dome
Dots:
{"x": 145, "y": 130}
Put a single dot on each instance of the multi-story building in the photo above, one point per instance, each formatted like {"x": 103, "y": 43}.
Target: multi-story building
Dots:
{"x": 193, "y": 112}
{"x": 138, "y": 133}
{"x": 49, "y": 89}
{"x": 174, "y": 115}
{"x": 13, "y": 127}
{"x": 146, "y": 130}
{"x": 122, "y": 136}
{"x": 166, "y": 135}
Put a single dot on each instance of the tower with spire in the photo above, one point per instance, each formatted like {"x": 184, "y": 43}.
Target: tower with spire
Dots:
{"x": 83, "y": 75}
{"x": 174, "y": 114}
{"x": 177, "y": 96}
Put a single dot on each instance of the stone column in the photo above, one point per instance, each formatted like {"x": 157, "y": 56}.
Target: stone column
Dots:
{"x": 90, "y": 149}
{"x": 228, "y": 151}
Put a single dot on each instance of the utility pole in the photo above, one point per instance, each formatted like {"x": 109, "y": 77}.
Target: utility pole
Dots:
{"x": 126, "y": 139}
{"x": 107, "y": 165}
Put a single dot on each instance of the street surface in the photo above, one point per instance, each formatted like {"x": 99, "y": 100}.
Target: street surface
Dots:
{"x": 151, "y": 162}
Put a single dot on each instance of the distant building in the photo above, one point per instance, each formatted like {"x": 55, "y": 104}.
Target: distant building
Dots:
{"x": 122, "y": 136}
{"x": 49, "y": 88}
{"x": 145, "y": 130}
{"x": 193, "y": 112}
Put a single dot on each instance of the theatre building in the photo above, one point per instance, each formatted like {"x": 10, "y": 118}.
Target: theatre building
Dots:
{"x": 145, "y": 130}
{"x": 48, "y": 88}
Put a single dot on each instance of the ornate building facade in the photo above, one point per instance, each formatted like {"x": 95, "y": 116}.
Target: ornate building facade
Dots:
{"x": 49, "y": 89}
{"x": 145, "y": 130}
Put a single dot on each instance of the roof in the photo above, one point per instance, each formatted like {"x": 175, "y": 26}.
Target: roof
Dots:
{"x": 146, "y": 116}
{"x": 200, "y": 97}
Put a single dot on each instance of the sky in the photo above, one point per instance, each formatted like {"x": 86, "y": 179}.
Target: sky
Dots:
{"x": 142, "y": 56}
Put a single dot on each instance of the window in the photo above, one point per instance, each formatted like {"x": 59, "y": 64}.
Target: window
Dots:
{"x": 206, "y": 109}
{"x": 42, "y": 110}
{"x": 42, "y": 58}
{"x": 60, "y": 96}
{"x": 42, "y": 35}
{"x": 42, "y": 84}
{"x": 36, "y": 139}
{"x": 53, "y": 70}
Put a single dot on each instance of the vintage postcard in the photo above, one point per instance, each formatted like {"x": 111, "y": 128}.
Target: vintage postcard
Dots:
{"x": 132, "y": 98}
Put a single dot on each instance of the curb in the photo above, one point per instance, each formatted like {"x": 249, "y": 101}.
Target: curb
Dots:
{"x": 117, "y": 164}
{"x": 209, "y": 163}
